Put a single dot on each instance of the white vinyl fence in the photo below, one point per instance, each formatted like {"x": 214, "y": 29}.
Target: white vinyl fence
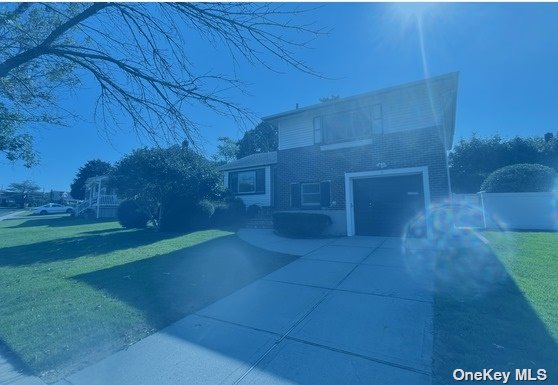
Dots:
{"x": 517, "y": 211}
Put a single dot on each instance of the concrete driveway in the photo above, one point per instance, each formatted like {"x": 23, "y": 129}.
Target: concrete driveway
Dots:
{"x": 349, "y": 311}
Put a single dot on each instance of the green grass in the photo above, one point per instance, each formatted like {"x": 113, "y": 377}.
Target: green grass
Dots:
{"x": 74, "y": 291}
{"x": 532, "y": 261}
{"x": 497, "y": 306}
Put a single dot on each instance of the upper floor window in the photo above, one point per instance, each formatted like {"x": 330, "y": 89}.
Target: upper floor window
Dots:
{"x": 347, "y": 126}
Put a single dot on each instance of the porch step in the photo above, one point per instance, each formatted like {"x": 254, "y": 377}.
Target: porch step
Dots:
{"x": 259, "y": 223}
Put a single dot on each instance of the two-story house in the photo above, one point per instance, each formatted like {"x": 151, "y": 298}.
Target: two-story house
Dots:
{"x": 375, "y": 163}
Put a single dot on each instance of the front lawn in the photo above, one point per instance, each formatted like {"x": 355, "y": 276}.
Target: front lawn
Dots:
{"x": 502, "y": 311}
{"x": 74, "y": 291}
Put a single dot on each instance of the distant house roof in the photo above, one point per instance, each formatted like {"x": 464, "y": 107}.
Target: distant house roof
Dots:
{"x": 262, "y": 159}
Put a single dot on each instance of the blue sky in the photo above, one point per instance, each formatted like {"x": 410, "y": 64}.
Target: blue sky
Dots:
{"x": 505, "y": 53}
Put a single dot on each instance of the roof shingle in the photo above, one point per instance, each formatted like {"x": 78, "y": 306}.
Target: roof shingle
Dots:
{"x": 253, "y": 160}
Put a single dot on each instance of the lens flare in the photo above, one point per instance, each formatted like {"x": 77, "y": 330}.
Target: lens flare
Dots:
{"x": 459, "y": 259}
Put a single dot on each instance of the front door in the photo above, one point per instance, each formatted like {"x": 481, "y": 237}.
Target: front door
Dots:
{"x": 384, "y": 205}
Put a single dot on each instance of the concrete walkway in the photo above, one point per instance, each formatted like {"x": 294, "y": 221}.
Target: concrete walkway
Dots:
{"x": 349, "y": 311}
{"x": 11, "y": 214}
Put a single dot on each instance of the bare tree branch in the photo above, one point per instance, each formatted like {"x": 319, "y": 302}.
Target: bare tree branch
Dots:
{"x": 137, "y": 54}
{"x": 30, "y": 54}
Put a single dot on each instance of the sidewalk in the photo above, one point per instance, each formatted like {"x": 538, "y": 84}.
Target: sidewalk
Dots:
{"x": 9, "y": 375}
{"x": 350, "y": 310}
{"x": 12, "y": 215}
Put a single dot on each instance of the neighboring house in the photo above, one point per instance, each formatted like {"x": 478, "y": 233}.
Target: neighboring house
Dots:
{"x": 372, "y": 162}
{"x": 7, "y": 199}
{"x": 100, "y": 200}
{"x": 61, "y": 197}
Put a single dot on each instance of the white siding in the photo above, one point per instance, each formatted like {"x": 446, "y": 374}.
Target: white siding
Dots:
{"x": 296, "y": 131}
{"x": 418, "y": 105}
{"x": 255, "y": 199}
{"x": 411, "y": 108}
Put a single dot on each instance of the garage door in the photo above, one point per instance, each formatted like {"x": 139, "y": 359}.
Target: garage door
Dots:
{"x": 384, "y": 205}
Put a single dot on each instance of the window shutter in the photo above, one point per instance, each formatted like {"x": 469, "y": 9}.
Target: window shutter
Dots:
{"x": 260, "y": 180}
{"x": 233, "y": 182}
{"x": 325, "y": 192}
{"x": 295, "y": 194}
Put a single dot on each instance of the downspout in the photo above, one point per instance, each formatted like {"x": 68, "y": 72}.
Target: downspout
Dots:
{"x": 446, "y": 152}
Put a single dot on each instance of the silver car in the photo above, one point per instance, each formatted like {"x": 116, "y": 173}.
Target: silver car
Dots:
{"x": 53, "y": 208}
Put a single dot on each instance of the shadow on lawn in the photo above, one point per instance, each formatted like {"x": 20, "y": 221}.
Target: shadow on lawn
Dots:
{"x": 483, "y": 320}
{"x": 169, "y": 287}
{"x": 79, "y": 245}
{"x": 56, "y": 220}
{"x": 104, "y": 231}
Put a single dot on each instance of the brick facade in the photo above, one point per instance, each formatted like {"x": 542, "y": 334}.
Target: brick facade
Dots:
{"x": 421, "y": 147}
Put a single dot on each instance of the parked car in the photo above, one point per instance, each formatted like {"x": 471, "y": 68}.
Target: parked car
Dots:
{"x": 53, "y": 208}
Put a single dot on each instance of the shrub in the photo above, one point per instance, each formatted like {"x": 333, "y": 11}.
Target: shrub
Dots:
{"x": 221, "y": 215}
{"x": 131, "y": 216}
{"x": 252, "y": 211}
{"x": 300, "y": 224}
{"x": 179, "y": 214}
{"x": 522, "y": 177}
{"x": 175, "y": 214}
{"x": 237, "y": 207}
{"x": 230, "y": 212}
{"x": 201, "y": 215}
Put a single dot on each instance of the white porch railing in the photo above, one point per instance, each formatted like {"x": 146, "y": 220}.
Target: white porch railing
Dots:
{"x": 103, "y": 201}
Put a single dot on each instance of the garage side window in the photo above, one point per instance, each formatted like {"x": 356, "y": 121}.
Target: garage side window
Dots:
{"x": 310, "y": 194}
{"x": 247, "y": 182}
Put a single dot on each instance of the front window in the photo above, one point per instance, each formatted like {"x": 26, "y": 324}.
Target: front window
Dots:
{"x": 247, "y": 182}
{"x": 310, "y": 194}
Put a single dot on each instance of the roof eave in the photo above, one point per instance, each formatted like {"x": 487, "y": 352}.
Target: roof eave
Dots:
{"x": 274, "y": 117}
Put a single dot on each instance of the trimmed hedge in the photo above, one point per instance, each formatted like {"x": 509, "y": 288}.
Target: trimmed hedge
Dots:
{"x": 523, "y": 177}
{"x": 131, "y": 216}
{"x": 300, "y": 224}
